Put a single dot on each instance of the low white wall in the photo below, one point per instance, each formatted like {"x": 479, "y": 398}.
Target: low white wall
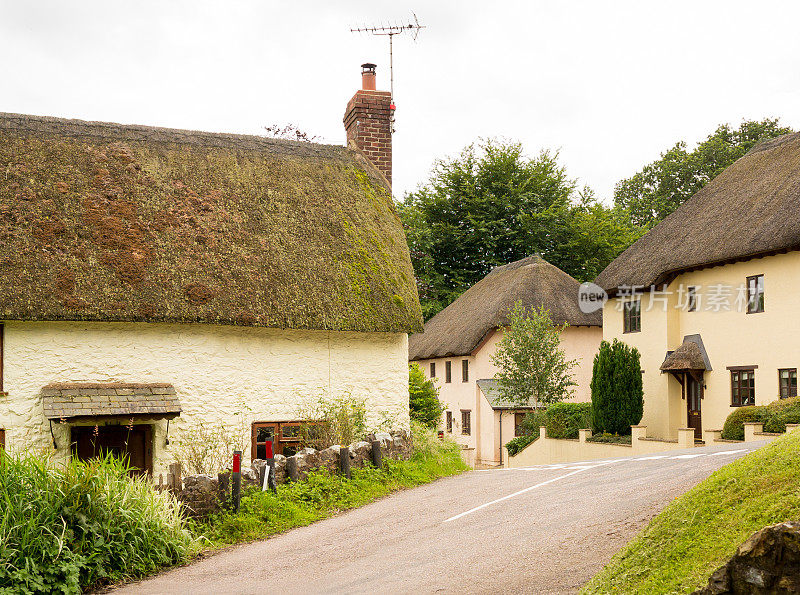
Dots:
{"x": 223, "y": 374}
{"x": 547, "y": 451}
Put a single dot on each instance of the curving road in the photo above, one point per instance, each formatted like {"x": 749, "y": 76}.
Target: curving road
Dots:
{"x": 544, "y": 529}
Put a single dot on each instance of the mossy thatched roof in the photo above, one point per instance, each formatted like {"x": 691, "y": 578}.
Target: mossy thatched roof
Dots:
{"x": 751, "y": 209}
{"x": 460, "y": 328}
{"x": 107, "y": 222}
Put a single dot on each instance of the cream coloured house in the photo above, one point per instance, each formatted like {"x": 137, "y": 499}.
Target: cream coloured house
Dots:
{"x": 154, "y": 281}
{"x": 458, "y": 343}
{"x": 709, "y": 296}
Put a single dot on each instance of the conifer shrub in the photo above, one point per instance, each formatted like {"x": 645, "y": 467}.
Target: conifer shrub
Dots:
{"x": 617, "y": 394}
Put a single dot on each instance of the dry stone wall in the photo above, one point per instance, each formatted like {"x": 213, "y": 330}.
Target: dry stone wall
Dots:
{"x": 203, "y": 495}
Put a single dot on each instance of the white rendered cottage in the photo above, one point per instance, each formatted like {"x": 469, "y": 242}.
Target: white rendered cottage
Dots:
{"x": 152, "y": 280}
{"x": 458, "y": 344}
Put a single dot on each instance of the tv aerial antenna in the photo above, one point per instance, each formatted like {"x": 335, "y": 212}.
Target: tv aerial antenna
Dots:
{"x": 390, "y": 31}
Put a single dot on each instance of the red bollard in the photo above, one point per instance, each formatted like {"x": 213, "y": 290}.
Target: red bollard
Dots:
{"x": 269, "y": 482}
{"x": 236, "y": 480}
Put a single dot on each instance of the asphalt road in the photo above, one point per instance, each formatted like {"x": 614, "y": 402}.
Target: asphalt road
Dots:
{"x": 544, "y": 529}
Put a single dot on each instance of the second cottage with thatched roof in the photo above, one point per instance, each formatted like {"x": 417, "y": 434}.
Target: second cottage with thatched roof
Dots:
{"x": 458, "y": 343}
{"x": 709, "y": 296}
{"x": 160, "y": 289}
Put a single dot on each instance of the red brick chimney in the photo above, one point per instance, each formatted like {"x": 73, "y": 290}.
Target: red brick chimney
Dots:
{"x": 368, "y": 122}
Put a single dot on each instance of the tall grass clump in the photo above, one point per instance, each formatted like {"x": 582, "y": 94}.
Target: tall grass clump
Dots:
{"x": 65, "y": 528}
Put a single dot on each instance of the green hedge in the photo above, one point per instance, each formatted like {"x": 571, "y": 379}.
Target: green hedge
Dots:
{"x": 518, "y": 443}
{"x": 610, "y": 438}
{"x": 774, "y": 416}
{"x": 780, "y": 413}
{"x": 562, "y": 420}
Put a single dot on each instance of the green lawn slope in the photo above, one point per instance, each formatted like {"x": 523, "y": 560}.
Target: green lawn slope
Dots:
{"x": 701, "y": 529}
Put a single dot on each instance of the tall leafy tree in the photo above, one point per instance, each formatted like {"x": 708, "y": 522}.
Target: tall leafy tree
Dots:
{"x": 492, "y": 205}
{"x": 532, "y": 367}
{"x": 663, "y": 185}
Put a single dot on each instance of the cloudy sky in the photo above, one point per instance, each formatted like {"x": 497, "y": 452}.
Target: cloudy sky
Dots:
{"x": 610, "y": 84}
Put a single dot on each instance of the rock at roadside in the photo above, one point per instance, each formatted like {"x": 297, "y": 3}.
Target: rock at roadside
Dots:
{"x": 299, "y": 465}
{"x": 767, "y": 563}
{"x": 359, "y": 453}
{"x": 329, "y": 459}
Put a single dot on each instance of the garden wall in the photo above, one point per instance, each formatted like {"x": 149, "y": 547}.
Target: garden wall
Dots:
{"x": 204, "y": 494}
{"x": 546, "y": 451}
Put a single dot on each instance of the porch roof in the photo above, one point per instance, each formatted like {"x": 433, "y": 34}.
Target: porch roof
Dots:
{"x": 691, "y": 355}
{"x": 491, "y": 391}
{"x": 70, "y": 400}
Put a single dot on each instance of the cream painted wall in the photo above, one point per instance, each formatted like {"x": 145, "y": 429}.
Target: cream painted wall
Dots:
{"x": 579, "y": 343}
{"x": 215, "y": 369}
{"x": 732, "y": 338}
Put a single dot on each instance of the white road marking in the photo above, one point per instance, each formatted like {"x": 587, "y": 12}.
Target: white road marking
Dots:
{"x": 583, "y": 465}
{"x": 523, "y": 491}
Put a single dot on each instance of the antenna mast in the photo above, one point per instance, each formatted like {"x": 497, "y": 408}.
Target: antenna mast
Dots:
{"x": 391, "y": 31}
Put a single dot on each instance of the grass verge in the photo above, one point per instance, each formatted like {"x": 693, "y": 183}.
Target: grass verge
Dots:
{"x": 322, "y": 495}
{"x": 701, "y": 529}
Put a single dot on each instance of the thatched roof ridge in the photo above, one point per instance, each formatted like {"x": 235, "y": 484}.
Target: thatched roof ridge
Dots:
{"x": 110, "y": 222}
{"x": 459, "y": 328}
{"x": 113, "y": 132}
{"x": 751, "y": 209}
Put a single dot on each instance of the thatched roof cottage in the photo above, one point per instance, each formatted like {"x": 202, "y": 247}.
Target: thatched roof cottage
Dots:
{"x": 215, "y": 280}
{"x": 457, "y": 345}
{"x": 709, "y": 295}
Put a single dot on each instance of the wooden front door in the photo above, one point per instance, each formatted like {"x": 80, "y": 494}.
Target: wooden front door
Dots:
{"x": 135, "y": 446}
{"x": 693, "y": 404}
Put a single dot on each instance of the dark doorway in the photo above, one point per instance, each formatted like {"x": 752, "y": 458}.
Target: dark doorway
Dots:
{"x": 134, "y": 445}
{"x": 694, "y": 394}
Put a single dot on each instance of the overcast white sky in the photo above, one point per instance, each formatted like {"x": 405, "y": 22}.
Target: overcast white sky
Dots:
{"x": 610, "y": 84}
